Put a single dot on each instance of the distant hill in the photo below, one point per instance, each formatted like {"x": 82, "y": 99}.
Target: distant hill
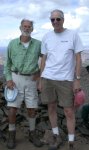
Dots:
{"x": 3, "y": 50}
{"x": 1, "y": 70}
{"x": 2, "y": 58}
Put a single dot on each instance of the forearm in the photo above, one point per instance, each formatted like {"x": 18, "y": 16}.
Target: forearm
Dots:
{"x": 77, "y": 85}
{"x": 43, "y": 59}
{"x": 7, "y": 65}
{"x": 78, "y": 65}
{"x": 7, "y": 71}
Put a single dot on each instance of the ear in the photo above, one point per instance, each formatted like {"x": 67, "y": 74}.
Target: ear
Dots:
{"x": 63, "y": 20}
{"x": 31, "y": 29}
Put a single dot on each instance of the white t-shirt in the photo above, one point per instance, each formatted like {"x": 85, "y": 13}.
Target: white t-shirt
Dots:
{"x": 60, "y": 49}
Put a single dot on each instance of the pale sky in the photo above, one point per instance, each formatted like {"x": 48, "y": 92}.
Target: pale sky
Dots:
{"x": 76, "y": 13}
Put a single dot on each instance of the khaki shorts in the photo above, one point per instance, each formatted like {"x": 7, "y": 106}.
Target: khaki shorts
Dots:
{"x": 27, "y": 91}
{"x": 60, "y": 91}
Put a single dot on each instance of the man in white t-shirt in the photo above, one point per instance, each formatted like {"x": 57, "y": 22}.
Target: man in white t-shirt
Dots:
{"x": 60, "y": 75}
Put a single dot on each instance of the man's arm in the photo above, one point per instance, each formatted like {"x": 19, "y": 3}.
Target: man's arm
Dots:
{"x": 43, "y": 59}
{"x": 78, "y": 65}
{"x": 7, "y": 71}
{"x": 77, "y": 72}
{"x": 42, "y": 65}
{"x": 7, "y": 65}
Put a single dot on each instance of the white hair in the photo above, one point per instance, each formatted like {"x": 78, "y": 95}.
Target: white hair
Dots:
{"x": 59, "y": 11}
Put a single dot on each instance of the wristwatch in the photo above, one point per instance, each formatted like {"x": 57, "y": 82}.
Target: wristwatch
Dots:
{"x": 78, "y": 77}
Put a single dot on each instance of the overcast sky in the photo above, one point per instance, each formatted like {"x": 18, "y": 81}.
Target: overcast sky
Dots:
{"x": 13, "y": 11}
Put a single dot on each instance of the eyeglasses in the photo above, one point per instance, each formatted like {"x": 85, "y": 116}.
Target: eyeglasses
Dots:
{"x": 57, "y": 19}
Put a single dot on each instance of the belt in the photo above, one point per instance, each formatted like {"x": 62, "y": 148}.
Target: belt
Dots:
{"x": 18, "y": 73}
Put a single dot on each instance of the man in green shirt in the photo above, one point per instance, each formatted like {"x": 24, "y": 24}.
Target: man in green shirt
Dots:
{"x": 22, "y": 71}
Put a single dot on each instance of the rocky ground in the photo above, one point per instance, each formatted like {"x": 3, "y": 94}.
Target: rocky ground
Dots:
{"x": 43, "y": 126}
{"x": 22, "y": 143}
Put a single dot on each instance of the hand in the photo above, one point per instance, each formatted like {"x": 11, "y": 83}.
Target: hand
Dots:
{"x": 36, "y": 76}
{"x": 10, "y": 84}
{"x": 76, "y": 86}
{"x": 39, "y": 87}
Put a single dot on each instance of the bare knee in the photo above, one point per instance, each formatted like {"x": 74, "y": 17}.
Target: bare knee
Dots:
{"x": 32, "y": 112}
{"x": 69, "y": 112}
{"x": 12, "y": 114}
{"x": 52, "y": 107}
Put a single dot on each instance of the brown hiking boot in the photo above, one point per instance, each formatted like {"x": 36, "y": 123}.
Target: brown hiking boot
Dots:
{"x": 71, "y": 145}
{"x": 11, "y": 142}
{"x": 55, "y": 142}
{"x": 33, "y": 137}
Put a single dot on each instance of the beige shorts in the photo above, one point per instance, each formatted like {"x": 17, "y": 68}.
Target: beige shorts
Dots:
{"x": 27, "y": 91}
{"x": 60, "y": 91}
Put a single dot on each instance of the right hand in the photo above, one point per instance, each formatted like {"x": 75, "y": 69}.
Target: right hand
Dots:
{"x": 10, "y": 84}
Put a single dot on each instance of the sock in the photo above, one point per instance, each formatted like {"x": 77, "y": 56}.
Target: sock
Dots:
{"x": 12, "y": 127}
{"x": 55, "y": 130}
{"x": 32, "y": 123}
{"x": 70, "y": 137}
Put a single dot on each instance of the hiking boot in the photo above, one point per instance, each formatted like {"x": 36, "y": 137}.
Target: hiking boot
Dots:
{"x": 71, "y": 145}
{"x": 55, "y": 142}
{"x": 33, "y": 137}
{"x": 47, "y": 137}
{"x": 11, "y": 142}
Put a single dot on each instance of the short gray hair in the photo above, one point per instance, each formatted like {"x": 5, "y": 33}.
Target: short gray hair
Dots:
{"x": 59, "y": 11}
{"x": 23, "y": 20}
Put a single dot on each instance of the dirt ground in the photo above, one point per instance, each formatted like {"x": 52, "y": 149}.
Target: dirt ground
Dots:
{"x": 22, "y": 142}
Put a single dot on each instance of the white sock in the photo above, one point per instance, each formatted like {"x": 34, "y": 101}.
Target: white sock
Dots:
{"x": 70, "y": 137}
{"x": 12, "y": 127}
{"x": 55, "y": 130}
{"x": 32, "y": 123}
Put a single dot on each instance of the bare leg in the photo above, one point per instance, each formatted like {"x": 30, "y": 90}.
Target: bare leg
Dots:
{"x": 56, "y": 138}
{"x": 32, "y": 118}
{"x": 52, "y": 111}
{"x": 31, "y": 112}
{"x": 33, "y": 137}
{"x": 11, "y": 142}
{"x": 70, "y": 118}
{"x": 12, "y": 115}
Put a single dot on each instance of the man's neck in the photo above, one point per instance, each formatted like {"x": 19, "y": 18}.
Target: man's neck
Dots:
{"x": 25, "y": 39}
{"x": 59, "y": 30}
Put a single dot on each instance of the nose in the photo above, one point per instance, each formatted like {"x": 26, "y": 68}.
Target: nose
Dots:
{"x": 27, "y": 27}
{"x": 55, "y": 20}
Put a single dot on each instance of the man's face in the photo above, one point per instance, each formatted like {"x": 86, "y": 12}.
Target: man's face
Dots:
{"x": 26, "y": 28}
{"x": 57, "y": 21}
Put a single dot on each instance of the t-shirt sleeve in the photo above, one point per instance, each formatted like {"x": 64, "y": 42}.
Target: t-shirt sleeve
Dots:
{"x": 78, "y": 46}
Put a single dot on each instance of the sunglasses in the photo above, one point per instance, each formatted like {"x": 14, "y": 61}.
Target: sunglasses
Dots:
{"x": 57, "y": 19}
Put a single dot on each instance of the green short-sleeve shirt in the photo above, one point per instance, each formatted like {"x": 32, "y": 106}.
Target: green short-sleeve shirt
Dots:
{"x": 22, "y": 59}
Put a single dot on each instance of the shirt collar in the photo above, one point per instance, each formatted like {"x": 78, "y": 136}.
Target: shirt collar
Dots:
{"x": 19, "y": 41}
